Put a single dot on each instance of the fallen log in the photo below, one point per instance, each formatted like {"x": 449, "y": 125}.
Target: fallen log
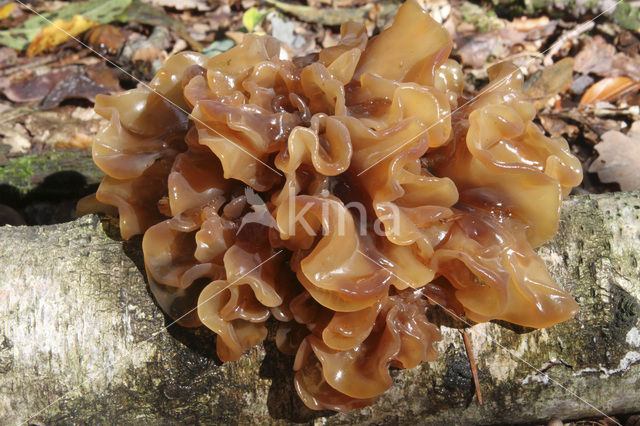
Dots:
{"x": 81, "y": 341}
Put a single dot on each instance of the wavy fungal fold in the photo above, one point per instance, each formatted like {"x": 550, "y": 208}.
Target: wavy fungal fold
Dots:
{"x": 344, "y": 193}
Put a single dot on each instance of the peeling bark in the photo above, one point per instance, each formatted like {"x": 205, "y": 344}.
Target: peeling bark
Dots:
{"x": 81, "y": 341}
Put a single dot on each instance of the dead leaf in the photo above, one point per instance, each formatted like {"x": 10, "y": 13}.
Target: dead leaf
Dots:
{"x": 334, "y": 16}
{"x": 8, "y": 56}
{"x": 608, "y": 89}
{"x": 149, "y": 54}
{"x": 595, "y": 57}
{"x": 35, "y": 89}
{"x": 107, "y": 39}
{"x": 527, "y": 24}
{"x": 235, "y": 36}
{"x": 16, "y": 136}
{"x": 217, "y": 20}
{"x": 541, "y": 33}
{"x": 627, "y": 42}
{"x": 551, "y": 82}
{"x": 600, "y": 57}
{"x": 104, "y": 76}
{"x": 101, "y": 11}
{"x": 200, "y": 5}
{"x": 6, "y": 9}
{"x": 59, "y": 32}
{"x": 76, "y": 85}
{"x": 619, "y": 158}
{"x": 293, "y": 41}
{"x": 179, "y": 46}
{"x": 627, "y": 65}
{"x": 62, "y": 126}
{"x": 252, "y": 17}
{"x": 474, "y": 49}
{"x": 153, "y": 16}
{"x": 591, "y": 126}
{"x": 556, "y": 127}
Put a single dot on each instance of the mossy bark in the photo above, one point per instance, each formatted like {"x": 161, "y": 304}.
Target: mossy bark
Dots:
{"x": 624, "y": 13}
{"x": 27, "y": 171}
{"x": 81, "y": 341}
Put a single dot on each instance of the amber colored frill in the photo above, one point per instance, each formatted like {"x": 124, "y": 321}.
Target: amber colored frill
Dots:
{"x": 342, "y": 193}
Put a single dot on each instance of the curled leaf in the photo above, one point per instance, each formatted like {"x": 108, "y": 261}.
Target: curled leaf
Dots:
{"x": 199, "y": 5}
{"x": 59, "y": 32}
{"x": 35, "y": 89}
{"x": 252, "y": 17}
{"x": 106, "y": 39}
{"x": 334, "y": 16}
{"x": 101, "y": 11}
{"x": 74, "y": 86}
{"x": 619, "y": 158}
{"x": 6, "y": 9}
{"x": 147, "y": 14}
{"x": 608, "y": 89}
{"x": 550, "y": 82}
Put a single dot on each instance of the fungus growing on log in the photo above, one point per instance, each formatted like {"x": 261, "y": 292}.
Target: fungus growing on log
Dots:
{"x": 343, "y": 193}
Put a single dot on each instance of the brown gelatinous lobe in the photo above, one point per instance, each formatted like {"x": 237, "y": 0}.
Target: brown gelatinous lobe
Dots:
{"x": 338, "y": 194}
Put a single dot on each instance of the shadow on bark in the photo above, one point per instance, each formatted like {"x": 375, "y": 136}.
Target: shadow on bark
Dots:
{"x": 283, "y": 401}
{"x": 200, "y": 340}
{"x": 52, "y": 201}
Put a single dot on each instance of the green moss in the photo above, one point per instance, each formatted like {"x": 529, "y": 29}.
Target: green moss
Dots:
{"x": 627, "y": 16}
{"x": 27, "y": 171}
{"x": 18, "y": 172}
{"x": 483, "y": 20}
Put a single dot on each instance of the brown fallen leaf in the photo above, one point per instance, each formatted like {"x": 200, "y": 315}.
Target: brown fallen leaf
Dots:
{"x": 550, "y": 82}
{"x": 34, "y": 89}
{"x": 235, "y": 36}
{"x": 59, "y": 32}
{"x": 76, "y": 85}
{"x": 591, "y": 126}
{"x": 627, "y": 65}
{"x": 104, "y": 76}
{"x": 527, "y": 24}
{"x": 595, "y": 57}
{"x": 106, "y": 39}
{"x": 200, "y": 5}
{"x": 336, "y": 16}
{"x": 65, "y": 126}
{"x": 557, "y": 127}
{"x": 149, "y": 54}
{"x": 15, "y": 136}
{"x": 147, "y": 14}
{"x": 608, "y": 89}
{"x": 627, "y": 42}
{"x": 619, "y": 158}
{"x": 474, "y": 49}
{"x": 8, "y": 56}
{"x": 540, "y": 34}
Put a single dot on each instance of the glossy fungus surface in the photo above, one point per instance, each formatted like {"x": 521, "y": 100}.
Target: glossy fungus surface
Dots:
{"x": 342, "y": 193}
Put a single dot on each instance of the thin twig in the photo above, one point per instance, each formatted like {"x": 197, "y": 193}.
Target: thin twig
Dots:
{"x": 569, "y": 35}
{"x": 472, "y": 362}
